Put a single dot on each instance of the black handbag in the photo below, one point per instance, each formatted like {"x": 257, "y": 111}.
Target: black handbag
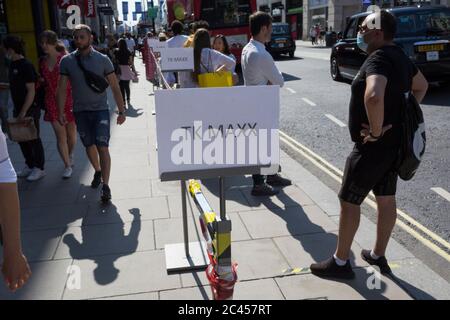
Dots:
{"x": 97, "y": 83}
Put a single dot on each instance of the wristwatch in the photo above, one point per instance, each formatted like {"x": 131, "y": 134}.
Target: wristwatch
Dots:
{"x": 121, "y": 113}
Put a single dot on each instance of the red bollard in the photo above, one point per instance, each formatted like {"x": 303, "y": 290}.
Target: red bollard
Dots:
{"x": 222, "y": 289}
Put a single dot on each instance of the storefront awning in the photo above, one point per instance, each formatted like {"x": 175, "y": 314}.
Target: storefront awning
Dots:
{"x": 295, "y": 11}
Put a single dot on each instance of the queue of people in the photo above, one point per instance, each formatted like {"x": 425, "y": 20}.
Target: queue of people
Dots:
{"x": 71, "y": 104}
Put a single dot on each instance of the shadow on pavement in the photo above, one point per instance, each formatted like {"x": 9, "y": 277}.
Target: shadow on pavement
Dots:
{"x": 410, "y": 289}
{"x": 112, "y": 239}
{"x": 289, "y": 77}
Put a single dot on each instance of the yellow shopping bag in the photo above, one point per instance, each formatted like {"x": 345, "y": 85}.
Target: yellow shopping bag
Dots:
{"x": 215, "y": 79}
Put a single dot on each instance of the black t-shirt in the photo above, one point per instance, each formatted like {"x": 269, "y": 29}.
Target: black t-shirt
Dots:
{"x": 122, "y": 57}
{"x": 21, "y": 72}
{"x": 395, "y": 65}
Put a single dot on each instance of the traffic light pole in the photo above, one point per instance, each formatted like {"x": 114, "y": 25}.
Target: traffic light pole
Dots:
{"x": 153, "y": 19}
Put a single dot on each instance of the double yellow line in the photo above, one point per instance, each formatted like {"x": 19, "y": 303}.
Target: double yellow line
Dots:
{"x": 410, "y": 225}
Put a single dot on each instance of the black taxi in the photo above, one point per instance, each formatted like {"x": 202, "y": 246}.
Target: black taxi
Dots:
{"x": 423, "y": 32}
{"x": 281, "y": 40}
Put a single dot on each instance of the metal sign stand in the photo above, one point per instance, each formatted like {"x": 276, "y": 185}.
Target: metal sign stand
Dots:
{"x": 188, "y": 255}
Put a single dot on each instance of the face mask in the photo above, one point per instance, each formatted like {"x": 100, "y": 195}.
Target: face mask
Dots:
{"x": 361, "y": 43}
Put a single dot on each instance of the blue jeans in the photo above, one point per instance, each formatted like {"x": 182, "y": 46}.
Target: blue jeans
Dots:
{"x": 93, "y": 127}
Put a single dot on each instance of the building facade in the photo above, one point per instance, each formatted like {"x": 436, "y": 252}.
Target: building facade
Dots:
{"x": 276, "y": 8}
{"x": 27, "y": 19}
{"x": 294, "y": 16}
{"x": 334, "y": 13}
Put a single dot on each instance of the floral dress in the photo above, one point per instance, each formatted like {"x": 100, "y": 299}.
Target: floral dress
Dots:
{"x": 51, "y": 82}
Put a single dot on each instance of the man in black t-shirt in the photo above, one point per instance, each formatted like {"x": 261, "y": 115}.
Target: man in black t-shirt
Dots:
{"x": 374, "y": 123}
{"x": 22, "y": 80}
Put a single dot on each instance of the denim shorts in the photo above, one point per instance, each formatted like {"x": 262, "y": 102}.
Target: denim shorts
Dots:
{"x": 93, "y": 127}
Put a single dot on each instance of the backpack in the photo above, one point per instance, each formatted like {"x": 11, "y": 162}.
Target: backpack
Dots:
{"x": 413, "y": 138}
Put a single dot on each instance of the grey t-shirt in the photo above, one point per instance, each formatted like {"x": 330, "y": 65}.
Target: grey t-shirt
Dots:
{"x": 84, "y": 98}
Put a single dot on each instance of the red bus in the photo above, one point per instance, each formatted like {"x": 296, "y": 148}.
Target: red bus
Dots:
{"x": 227, "y": 17}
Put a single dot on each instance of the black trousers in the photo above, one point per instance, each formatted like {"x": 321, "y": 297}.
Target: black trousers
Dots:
{"x": 33, "y": 151}
{"x": 125, "y": 89}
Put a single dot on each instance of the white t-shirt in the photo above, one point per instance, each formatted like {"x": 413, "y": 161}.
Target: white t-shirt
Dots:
{"x": 130, "y": 44}
{"x": 211, "y": 60}
{"x": 177, "y": 41}
{"x": 7, "y": 172}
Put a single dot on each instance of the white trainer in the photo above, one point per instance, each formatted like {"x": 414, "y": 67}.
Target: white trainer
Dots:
{"x": 25, "y": 172}
{"x": 67, "y": 173}
{"x": 36, "y": 175}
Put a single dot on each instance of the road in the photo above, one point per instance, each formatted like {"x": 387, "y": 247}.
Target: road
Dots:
{"x": 314, "y": 111}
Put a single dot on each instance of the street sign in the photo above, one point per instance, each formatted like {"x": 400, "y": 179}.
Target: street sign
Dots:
{"x": 152, "y": 12}
{"x": 217, "y": 132}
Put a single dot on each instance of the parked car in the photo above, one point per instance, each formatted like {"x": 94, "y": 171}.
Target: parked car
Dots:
{"x": 423, "y": 32}
{"x": 282, "y": 41}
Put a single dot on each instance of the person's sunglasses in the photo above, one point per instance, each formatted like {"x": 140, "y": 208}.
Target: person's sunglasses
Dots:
{"x": 79, "y": 37}
{"x": 364, "y": 29}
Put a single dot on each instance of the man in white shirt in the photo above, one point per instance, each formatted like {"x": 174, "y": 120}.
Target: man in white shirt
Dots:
{"x": 178, "y": 39}
{"x": 131, "y": 44}
{"x": 258, "y": 69}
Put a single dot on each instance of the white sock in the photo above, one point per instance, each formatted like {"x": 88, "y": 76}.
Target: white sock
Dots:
{"x": 339, "y": 262}
{"x": 373, "y": 255}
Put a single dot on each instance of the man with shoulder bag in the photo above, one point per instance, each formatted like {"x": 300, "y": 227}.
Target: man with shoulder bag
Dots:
{"x": 90, "y": 74}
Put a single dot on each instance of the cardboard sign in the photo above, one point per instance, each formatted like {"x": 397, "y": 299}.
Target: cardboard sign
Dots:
{"x": 156, "y": 45}
{"x": 212, "y": 132}
{"x": 177, "y": 59}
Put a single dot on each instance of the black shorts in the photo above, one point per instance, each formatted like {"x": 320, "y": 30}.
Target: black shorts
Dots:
{"x": 369, "y": 167}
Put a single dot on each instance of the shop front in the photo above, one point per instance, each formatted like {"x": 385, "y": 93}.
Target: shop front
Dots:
{"x": 27, "y": 19}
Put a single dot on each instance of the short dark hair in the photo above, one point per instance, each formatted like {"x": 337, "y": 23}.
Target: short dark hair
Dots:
{"x": 201, "y": 24}
{"x": 388, "y": 24}
{"x": 83, "y": 27}
{"x": 177, "y": 27}
{"x": 15, "y": 43}
{"x": 258, "y": 20}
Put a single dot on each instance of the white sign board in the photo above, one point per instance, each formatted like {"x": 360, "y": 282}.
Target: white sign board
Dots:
{"x": 156, "y": 45}
{"x": 211, "y": 132}
{"x": 177, "y": 59}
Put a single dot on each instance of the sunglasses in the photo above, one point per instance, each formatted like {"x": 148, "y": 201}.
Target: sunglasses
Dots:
{"x": 364, "y": 29}
{"x": 81, "y": 37}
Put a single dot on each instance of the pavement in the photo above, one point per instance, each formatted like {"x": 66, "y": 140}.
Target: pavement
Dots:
{"x": 79, "y": 249}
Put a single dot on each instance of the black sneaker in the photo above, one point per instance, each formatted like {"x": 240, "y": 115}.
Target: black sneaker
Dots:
{"x": 106, "y": 193}
{"x": 381, "y": 262}
{"x": 264, "y": 190}
{"x": 278, "y": 181}
{"x": 97, "y": 179}
{"x": 330, "y": 269}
